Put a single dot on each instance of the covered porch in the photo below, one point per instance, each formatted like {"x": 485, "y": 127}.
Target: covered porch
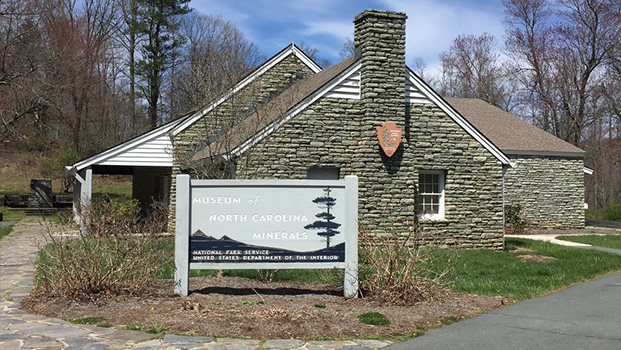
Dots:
{"x": 148, "y": 158}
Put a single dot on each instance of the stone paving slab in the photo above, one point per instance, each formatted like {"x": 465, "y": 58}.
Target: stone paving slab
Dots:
{"x": 20, "y": 330}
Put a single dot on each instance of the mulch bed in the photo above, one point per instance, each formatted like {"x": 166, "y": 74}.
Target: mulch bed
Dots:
{"x": 233, "y": 306}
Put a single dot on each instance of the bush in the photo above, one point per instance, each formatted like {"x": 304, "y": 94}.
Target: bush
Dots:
{"x": 515, "y": 222}
{"x": 374, "y": 319}
{"x": 401, "y": 270}
{"x": 55, "y": 168}
{"x": 120, "y": 256}
{"x": 610, "y": 212}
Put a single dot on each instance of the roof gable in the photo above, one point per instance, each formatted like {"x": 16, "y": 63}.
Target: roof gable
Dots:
{"x": 432, "y": 96}
{"x": 154, "y": 148}
{"x": 284, "y": 53}
{"x": 337, "y": 81}
{"x": 285, "y": 106}
{"x": 149, "y": 149}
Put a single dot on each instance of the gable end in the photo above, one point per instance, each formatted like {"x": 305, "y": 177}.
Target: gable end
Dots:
{"x": 269, "y": 64}
{"x": 434, "y": 98}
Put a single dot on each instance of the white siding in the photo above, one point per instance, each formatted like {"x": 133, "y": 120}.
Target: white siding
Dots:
{"x": 413, "y": 94}
{"x": 348, "y": 88}
{"x": 156, "y": 152}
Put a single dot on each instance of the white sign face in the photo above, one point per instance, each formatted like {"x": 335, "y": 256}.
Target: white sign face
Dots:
{"x": 268, "y": 223}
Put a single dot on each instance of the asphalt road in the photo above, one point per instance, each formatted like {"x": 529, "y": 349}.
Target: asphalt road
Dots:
{"x": 603, "y": 223}
{"x": 585, "y": 316}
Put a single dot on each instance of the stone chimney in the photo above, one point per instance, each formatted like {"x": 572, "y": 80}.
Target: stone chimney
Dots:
{"x": 379, "y": 37}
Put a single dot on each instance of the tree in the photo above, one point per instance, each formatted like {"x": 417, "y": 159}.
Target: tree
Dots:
{"x": 129, "y": 38}
{"x": 348, "y": 50}
{"x": 82, "y": 102}
{"x": 471, "y": 68}
{"x": 565, "y": 55}
{"x": 326, "y": 202}
{"x": 158, "y": 21}
{"x": 559, "y": 50}
{"x": 313, "y": 53}
{"x": 215, "y": 56}
{"x": 20, "y": 46}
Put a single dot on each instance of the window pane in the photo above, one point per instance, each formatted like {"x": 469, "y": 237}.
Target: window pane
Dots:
{"x": 429, "y": 183}
{"x": 430, "y": 192}
{"x": 323, "y": 173}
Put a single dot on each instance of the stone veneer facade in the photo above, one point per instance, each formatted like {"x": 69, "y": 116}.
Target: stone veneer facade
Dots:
{"x": 242, "y": 103}
{"x": 336, "y": 132}
{"x": 550, "y": 190}
{"x": 329, "y": 134}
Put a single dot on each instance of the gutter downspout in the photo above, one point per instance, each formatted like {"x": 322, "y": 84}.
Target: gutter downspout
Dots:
{"x": 504, "y": 171}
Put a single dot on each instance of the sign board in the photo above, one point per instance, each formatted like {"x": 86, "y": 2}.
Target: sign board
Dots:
{"x": 266, "y": 224}
{"x": 389, "y": 137}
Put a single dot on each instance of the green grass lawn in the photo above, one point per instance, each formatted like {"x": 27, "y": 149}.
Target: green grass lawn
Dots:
{"x": 12, "y": 216}
{"x": 502, "y": 273}
{"x": 5, "y": 230}
{"x": 482, "y": 271}
{"x": 608, "y": 241}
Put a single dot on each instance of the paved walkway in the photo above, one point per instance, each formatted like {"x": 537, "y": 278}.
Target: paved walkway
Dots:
{"x": 551, "y": 237}
{"x": 19, "y": 330}
{"x": 585, "y": 316}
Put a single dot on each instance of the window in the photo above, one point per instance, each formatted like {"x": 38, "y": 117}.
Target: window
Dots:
{"x": 323, "y": 173}
{"x": 431, "y": 192}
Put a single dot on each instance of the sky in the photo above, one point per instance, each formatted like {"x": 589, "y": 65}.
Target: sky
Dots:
{"x": 326, "y": 24}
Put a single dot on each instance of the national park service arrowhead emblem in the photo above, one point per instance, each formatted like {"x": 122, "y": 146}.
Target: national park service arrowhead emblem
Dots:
{"x": 389, "y": 136}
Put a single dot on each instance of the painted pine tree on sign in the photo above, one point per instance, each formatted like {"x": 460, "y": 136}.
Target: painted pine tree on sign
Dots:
{"x": 326, "y": 224}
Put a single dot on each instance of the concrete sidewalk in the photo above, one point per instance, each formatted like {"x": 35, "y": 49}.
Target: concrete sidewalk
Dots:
{"x": 551, "y": 237}
{"x": 585, "y": 316}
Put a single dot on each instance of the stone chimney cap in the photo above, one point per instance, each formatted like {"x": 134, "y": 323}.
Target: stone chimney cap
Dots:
{"x": 381, "y": 14}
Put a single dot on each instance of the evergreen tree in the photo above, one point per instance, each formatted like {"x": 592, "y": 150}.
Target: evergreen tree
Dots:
{"x": 326, "y": 202}
{"x": 158, "y": 22}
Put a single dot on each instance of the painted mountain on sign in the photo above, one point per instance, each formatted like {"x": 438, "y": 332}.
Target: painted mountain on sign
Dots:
{"x": 226, "y": 249}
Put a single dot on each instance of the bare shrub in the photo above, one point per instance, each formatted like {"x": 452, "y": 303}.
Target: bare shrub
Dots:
{"x": 120, "y": 256}
{"x": 515, "y": 220}
{"x": 403, "y": 269}
{"x": 267, "y": 275}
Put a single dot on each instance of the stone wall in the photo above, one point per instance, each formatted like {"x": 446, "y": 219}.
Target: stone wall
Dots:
{"x": 40, "y": 194}
{"x": 550, "y": 189}
{"x": 342, "y": 133}
{"x": 330, "y": 133}
{"x": 239, "y": 106}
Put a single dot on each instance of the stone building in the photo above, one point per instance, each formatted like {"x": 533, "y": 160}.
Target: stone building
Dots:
{"x": 290, "y": 120}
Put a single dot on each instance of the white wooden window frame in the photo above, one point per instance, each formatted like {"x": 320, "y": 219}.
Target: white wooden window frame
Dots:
{"x": 441, "y": 180}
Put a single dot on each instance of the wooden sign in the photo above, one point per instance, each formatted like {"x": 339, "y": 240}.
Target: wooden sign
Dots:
{"x": 389, "y": 136}
{"x": 266, "y": 224}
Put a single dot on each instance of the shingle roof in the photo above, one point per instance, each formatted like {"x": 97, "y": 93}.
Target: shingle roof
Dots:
{"x": 272, "y": 111}
{"x": 510, "y": 133}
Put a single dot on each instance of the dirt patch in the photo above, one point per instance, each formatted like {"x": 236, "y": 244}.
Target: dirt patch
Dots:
{"x": 232, "y": 306}
{"x": 536, "y": 258}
